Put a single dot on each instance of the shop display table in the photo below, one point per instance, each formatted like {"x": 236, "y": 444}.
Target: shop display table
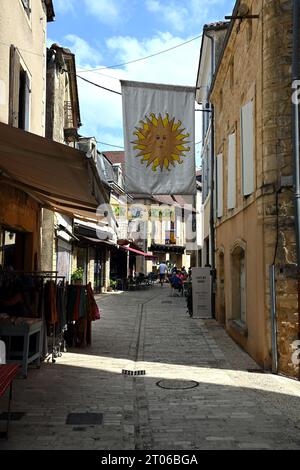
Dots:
{"x": 7, "y": 374}
{"x": 28, "y": 350}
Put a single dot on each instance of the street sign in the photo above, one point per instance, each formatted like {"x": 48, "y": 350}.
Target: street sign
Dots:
{"x": 201, "y": 286}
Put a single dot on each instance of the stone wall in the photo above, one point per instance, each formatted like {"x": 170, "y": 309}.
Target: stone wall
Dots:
{"x": 278, "y": 163}
{"x": 257, "y": 65}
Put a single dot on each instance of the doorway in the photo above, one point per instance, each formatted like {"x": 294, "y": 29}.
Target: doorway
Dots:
{"x": 222, "y": 304}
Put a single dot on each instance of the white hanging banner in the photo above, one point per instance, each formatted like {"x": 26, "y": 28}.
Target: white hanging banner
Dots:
{"x": 159, "y": 131}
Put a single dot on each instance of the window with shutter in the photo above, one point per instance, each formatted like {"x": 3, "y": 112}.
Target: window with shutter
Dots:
{"x": 26, "y": 5}
{"x": 19, "y": 92}
{"x": 247, "y": 148}
{"x": 231, "y": 189}
{"x": 24, "y": 100}
{"x": 219, "y": 185}
{"x": 14, "y": 87}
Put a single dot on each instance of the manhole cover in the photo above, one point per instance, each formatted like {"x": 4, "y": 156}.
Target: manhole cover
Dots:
{"x": 133, "y": 372}
{"x": 84, "y": 418}
{"x": 177, "y": 384}
{"x": 14, "y": 416}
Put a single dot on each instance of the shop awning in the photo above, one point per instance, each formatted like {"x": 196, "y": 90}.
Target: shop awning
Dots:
{"x": 60, "y": 177}
{"x": 167, "y": 249}
{"x": 137, "y": 252}
{"x": 98, "y": 241}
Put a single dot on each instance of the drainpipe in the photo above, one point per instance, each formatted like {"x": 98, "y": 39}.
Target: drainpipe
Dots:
{"x": 212, "y": 183}
{"x": 296, "y": 138}
{"x": 296, "y": 141}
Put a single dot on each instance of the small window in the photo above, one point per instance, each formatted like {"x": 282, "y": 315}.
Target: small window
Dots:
{"x": 24, "y": 94}
{"x": 239, "y": 286}
{"x": 19, "y": 109}
{"x": 26, "y": 5}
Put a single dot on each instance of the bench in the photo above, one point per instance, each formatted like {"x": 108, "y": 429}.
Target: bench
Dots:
{"x": 7, "y": 374}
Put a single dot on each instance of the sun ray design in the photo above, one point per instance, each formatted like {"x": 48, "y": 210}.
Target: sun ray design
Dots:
{"x": 161, "y": 142}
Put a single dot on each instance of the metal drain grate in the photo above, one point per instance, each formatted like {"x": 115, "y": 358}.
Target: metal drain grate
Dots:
{"x": 84, "y": 418}
{"x": 177, "y": 384}
{"x": 166, "y": 302}
{"x": 133, "y": 372}
{"x": 14, "y": 416}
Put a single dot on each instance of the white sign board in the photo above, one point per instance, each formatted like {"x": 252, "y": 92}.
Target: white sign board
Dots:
{"x": 201, "y": 285}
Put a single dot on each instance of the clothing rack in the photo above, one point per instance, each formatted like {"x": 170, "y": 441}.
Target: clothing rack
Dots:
{"x": 57, "y": 337}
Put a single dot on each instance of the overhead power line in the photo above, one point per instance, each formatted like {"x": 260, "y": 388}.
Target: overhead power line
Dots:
{"x": 103, "y": 87}
{"x": 99, "y": 86}
{"x": 141, "y": 58}
{"x": 109, "y": 145}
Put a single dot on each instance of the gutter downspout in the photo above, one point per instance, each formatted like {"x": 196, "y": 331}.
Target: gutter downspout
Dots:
{"x": 296, "y": 137}
{"x": 212, "y": 182}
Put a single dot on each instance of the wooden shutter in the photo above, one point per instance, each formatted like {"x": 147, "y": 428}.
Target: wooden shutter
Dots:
{"x": 27, "y": 102}
{"x": 247, "y": 148}
{"x": 14, "y": 87}
{"x": 219, "y": 185}
{"x": 231, "y": 190}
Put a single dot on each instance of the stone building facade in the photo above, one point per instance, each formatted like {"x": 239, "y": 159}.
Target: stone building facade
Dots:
{"x": 62, "y": 124}
{"x": 255, "y": 228}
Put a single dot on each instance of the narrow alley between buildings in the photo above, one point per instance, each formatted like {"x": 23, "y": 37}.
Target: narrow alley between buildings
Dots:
{"x": 191, "y": 387}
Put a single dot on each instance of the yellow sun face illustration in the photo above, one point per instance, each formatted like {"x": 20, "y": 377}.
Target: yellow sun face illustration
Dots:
{"x": 161, "y": 142}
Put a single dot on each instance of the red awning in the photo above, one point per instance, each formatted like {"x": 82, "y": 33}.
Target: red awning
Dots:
{"x": 137, "y": 252}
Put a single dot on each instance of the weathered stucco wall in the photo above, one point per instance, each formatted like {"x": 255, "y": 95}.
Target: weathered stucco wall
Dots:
{"x": 29, "y": 36}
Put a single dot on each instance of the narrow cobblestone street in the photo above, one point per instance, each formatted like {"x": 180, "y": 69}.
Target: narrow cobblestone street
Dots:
{"x": 227, "y": 408}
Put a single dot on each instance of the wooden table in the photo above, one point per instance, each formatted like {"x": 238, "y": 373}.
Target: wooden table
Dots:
{"x": 26, "y": 328}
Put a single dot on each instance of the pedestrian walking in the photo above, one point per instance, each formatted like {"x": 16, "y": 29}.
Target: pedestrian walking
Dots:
{"x": 163, "y": 269}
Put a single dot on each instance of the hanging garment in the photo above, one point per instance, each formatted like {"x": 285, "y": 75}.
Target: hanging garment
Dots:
{"x": 93, "y": 309}
{"x": 61, "y": 306}
{"x": 50, "y": 303}
{"x": 2, "y": 352}
{"x": 72, "y": 308}
{"x": 82, "y": 308}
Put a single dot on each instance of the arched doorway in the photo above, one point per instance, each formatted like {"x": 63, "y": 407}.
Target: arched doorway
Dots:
{"x": 238, "y": 276}
{"x": 221, "y": 283}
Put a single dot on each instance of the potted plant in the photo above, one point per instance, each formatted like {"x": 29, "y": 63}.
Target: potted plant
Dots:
{"x": 112, "y": 284}
{"x": 77, "y": 276}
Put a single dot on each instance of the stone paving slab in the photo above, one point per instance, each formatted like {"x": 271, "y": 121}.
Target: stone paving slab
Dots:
{"x": 229, "y": 409}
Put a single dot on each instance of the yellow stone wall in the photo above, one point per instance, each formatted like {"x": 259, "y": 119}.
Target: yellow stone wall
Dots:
{"x": 257, "y": 65}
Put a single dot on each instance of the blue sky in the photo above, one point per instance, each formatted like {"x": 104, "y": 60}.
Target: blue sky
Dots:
{"x": 107, "y": 32}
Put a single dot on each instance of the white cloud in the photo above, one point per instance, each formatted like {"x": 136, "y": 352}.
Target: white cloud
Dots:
{"x": 173, "y": 14}
{"x": 153, "y": 5}
{"x": 186, "y": 15}
{"x": 179, "y": 65}
{"x": 86, "y": 55}
{"x": 64, "y": 6}
{"x": 108, "y": 12}
{"x": 101, "y": 111}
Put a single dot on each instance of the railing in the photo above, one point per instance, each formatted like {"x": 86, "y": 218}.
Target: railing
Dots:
{"x": 68, "y": 114}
